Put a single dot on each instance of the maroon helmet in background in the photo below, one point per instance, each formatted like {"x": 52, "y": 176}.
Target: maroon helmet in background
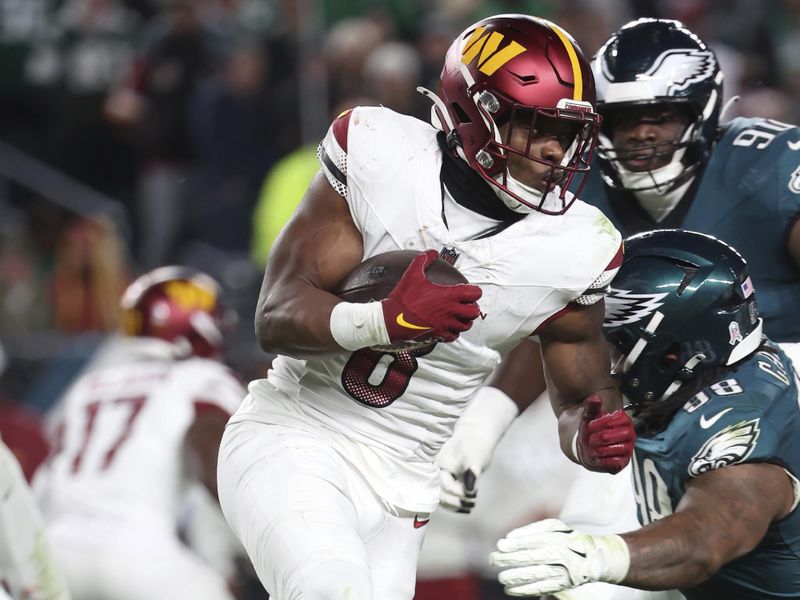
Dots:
{"x": 511, "y": 66}
{"x": 176, "y": 304}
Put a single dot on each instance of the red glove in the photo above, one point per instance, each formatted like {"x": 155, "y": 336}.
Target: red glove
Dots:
{"x": 605, "y": 440}
{"x": 420, "y": 310}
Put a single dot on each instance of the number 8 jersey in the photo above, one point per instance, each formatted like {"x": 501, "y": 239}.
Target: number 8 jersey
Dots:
{"x": 389, "y": 414}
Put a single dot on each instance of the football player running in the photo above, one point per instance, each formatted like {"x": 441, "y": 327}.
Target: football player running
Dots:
{"x": 136, "y": 430}
{"x": 716, "y": 459}
{"x": 327, "y": 471}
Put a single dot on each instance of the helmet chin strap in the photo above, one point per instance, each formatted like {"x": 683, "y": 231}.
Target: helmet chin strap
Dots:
{"x": 531, "y": 194}
{"x": 677, "y": 383}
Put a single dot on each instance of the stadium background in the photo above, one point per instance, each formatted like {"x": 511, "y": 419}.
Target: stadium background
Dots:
{"x": 136, "y": 133}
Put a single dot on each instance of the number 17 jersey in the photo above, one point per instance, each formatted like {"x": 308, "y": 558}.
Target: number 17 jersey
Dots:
{"x": 119, "y": 459}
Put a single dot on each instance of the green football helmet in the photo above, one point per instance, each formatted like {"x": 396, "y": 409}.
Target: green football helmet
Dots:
{"x": 681, "y": 303}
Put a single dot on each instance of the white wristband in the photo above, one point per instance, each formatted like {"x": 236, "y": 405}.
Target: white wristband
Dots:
{"x": 491, "y": 411}
{"x": 615, "y": 558}
{"x": 356, "y": 325}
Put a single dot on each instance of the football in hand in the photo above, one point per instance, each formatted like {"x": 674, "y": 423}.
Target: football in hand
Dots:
{"x": 374, "y": 278}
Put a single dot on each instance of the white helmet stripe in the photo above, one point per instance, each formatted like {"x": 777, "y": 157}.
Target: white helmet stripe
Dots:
{"x": 640, "y": 344}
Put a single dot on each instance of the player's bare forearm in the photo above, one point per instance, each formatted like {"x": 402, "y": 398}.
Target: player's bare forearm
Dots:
{"x": 521, "y": 375}
{"x": 576, "y": 359}
{"x": 314, "y": 252}
{"x": 577, "y": 365}
{"x": 202, "y": 446}
{"x": 724, "y": 515}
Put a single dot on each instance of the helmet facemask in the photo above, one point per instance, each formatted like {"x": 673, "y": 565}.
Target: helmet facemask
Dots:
{"x": 681, "y": 305}
{"x": 682, "y": 153}
{"x": 517, "y": 135}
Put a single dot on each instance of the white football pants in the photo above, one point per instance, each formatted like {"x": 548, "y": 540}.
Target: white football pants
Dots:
{"x": 26, "y": 561}
{"x": 127, "y": 566}
{"x": 311, "y": 525}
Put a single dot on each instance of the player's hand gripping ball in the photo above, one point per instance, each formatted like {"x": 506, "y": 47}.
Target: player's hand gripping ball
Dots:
{"x": 425, "y": 299}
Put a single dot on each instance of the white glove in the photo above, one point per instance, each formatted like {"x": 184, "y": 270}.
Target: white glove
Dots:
{"x": 467, "y": 454}
{"x": 549, "y": 556}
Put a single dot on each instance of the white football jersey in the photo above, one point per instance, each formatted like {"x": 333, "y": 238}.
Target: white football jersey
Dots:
{"x": 390, "y": 414}
{"x": 119, "y": 459}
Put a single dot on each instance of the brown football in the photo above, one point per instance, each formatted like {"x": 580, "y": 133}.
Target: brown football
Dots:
{"x": 374, "y": 278}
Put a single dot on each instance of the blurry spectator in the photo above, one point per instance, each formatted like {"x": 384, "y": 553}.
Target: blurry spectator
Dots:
{"x": 153, "y": 102}
{"x": 788, "y": 32}
{"x": 391, "y": 74}
{"x": 590, "y": 21}
{"x": 435, "y": 36}
{"x": 24, "y": 25}
{"x": 136, "y": 429}
{"x": 284, "y": 187}
{"x": 767, "y": 103}
{"x": 27, "y": 243}
{"x": 82, "y": 62}
{"x": 347, "y": 45}
{"x": 231, "y": 123}
{"x": 89, "y": 274}
{"x": 282, "y": 190}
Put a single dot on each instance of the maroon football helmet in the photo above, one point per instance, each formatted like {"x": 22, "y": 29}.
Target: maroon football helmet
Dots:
{"x": 524, "y": 71}
{"x": 176, "y": 304}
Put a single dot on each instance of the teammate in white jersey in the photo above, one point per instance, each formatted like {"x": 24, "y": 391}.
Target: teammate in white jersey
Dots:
{"x": 135, "y": 431}
{"x": 27, "y": 565}
{"x": 327, "y": 471}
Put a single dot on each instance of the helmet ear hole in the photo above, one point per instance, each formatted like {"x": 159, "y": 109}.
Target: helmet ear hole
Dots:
{"x": 670, "y": 356}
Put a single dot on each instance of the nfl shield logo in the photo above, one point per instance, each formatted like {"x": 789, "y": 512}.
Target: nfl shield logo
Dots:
{"x": 449, "y": 255}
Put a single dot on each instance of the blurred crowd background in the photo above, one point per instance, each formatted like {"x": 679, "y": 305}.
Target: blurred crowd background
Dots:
{"x": 136, "y": 133}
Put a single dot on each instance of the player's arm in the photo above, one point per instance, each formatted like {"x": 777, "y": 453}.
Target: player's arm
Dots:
{"x": 512, "y": 387}
{"x": 723, "y": 515}
{"x": 316, "y": 249}
{"x": 201, "y": 443}
{"x": 520, "y": 376}
{"x": 592, "y": 428}
{"x": 298, "y": 315}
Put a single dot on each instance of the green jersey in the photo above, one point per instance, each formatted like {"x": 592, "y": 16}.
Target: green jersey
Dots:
{"x": 751, "y": 415}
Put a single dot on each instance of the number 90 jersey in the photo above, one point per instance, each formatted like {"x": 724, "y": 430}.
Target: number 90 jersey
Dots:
{"x": 748, "y": 196}
{"x": 750, "y": 416}
{"x": 389, "y": 414}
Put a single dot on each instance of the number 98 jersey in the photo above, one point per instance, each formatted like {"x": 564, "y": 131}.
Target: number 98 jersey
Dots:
{"x": 750, "y": 416}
